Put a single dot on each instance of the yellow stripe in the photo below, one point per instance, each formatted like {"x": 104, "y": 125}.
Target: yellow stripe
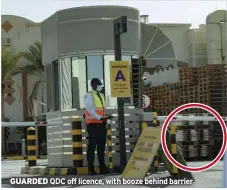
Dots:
{"x": 82, "y": 170}
{"x": 156, "y": 163}
{"x": 52, "y": 171}
{"x": 16, "y": 158}
{"x": 110, "y": 143}
{"x": 31, "y": 171}
{"x": 110, "y": 165}
{"x": 76, "y": 119}
{"x": 41, "y": 171}
{"x": 31, "y": 147}
{"x": 175, "y": 169}
{"x": 31, "y": 157}
{"x": 76, "y": 144}
{"x": 110, "y": 154}
{"x": 144, "y": 125}
{"x": 31, "y": 137}
{"x": 155, "y": 114}
{"x": 63, "y": 171}
{"x": 174, "y": 148}
{"x": 154, "y": 121}
{"x": 78, "y": 157}
{"x": 109, "y": 132}
{"x": 173, "y": 129}
{"x": 76, "y": 131}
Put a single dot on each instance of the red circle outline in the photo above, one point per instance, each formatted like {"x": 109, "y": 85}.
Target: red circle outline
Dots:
{"x": 164, "y": 129}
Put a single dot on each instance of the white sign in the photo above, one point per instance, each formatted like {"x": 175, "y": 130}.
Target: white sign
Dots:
{"x": 146, "y": 101}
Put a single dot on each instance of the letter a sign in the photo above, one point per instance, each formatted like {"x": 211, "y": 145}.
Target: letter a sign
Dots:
{"x": 120, "y": 79}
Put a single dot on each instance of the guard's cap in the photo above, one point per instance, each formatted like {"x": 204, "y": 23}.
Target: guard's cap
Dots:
{"x": 95, "y": 81}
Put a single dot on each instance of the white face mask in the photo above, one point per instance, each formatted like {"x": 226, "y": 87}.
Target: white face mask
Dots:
{"x": 99, "y": 88}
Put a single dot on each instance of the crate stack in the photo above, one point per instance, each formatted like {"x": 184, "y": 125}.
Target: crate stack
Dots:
{"x": 197, "y": 141}
{"x": 188, "y": 86}
{"x": 212, "y": 84}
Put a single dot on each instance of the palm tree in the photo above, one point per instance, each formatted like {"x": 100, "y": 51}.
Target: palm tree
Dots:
{"x": 34, "y": 56}
{"x": 9, "y": 68}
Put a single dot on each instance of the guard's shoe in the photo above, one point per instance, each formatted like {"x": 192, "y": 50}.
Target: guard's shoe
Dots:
{"x": 92, "y": 172}
{"x": 104, "y": 170}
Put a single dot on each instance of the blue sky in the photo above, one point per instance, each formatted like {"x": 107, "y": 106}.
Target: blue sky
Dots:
{"x": 159, "y": 11}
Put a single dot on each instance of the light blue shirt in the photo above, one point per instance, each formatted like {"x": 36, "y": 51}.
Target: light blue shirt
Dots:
{"x": 90, "y": 105}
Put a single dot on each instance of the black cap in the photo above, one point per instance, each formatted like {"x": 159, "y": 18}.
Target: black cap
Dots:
{"x": 95, "y": 81}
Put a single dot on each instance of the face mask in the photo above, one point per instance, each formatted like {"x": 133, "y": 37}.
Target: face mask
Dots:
{"x": 99, "y": 88}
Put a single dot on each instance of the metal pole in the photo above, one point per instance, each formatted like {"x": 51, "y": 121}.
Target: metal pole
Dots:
{"x": 120, "y": 104}
{"x": 36, "y": 127}
{"x": 23, "y": 147}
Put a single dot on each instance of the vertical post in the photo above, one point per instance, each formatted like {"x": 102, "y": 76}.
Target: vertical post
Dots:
{"x": 36, "y": 127}
{"x": 225, "y": 171}
{"x": 77, "y": 144}
{"x": 110, "y": 153}
{"x": 23, "y": 146}
{"x": 154, "y": 121}
{"x": 156, "y": 157}
{"x": 174, "y": 149}
{"x": 120, "y": 103}
{"x": 31, "y": 139}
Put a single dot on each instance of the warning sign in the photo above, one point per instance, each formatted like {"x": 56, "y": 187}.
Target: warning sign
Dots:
{"x": 143, "y": 154}
{"x": 120, "y": 79}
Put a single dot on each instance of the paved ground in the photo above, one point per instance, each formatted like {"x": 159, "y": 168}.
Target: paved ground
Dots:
{"x": 210, "y": 178}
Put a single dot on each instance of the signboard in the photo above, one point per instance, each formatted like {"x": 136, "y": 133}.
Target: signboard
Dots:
{"x": 120, "y": 79}
{"x": 146, "y": 101}
{"x": 143, "y": 154}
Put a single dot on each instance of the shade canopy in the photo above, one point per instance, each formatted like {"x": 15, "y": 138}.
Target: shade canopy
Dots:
{"x": 157, "y": 49}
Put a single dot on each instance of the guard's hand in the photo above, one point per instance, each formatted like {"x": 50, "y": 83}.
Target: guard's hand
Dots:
{"x": 110, "y": 117}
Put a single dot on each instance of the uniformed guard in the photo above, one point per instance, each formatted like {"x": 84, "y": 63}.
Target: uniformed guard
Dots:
{"x": 96, "y": 126}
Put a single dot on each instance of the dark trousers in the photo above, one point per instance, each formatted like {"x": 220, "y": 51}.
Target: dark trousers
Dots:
{"x": 97, "y": 138}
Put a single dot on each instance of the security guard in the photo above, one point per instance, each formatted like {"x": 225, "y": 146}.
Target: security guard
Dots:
{"x": 96, "y": 125}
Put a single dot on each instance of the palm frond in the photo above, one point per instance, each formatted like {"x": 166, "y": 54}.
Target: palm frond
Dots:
{"x": 9, "y": 63}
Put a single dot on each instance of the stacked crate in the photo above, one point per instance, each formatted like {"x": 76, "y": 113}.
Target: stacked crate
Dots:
{"x": 212, "y": 84}
{"x": 188, "y": 86}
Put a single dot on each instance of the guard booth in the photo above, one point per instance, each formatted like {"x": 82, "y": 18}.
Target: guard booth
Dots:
{"x": 78, "y": 46}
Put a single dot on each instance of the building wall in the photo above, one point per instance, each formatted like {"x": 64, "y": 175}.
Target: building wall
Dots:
{"x": 22, "y": 34}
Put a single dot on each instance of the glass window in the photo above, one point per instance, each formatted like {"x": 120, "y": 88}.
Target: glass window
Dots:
{"x": 79, "y": 86}
{"x": 94, "y": 69}
{"x": 56, "y": 85}
{"x": 49, "y": 87}
{"x": 112, "y": 102}
{"x": 66, "y": 83}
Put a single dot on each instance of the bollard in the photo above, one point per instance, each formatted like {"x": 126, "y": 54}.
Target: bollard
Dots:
{"x": 174, "y": 148}
{"x": 23, "y": 147}
{"x": 109, "y": 142}
{"x": 156, "y": 163}
{"x": 144, "y": 125}
{"x": 31, "y": 146}
{"x": 77, "y": 144}
{"x": 154, "y": 121}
